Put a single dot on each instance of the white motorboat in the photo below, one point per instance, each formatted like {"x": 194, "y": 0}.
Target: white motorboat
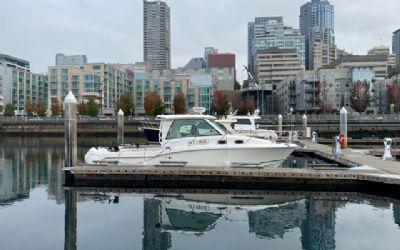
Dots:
{"x": 246, "y": 125}
{"x": 196, "y": 141}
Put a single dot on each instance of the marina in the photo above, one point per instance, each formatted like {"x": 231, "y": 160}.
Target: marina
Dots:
{"x": 195, "y": 152}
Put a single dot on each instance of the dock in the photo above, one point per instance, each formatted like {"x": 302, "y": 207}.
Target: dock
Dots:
{"x": 354, "y": 170}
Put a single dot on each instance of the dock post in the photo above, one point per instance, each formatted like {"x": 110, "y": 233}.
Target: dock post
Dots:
{"x": 343, "y": 127}
{"x": 70, "y": 134}
{"x": 70, "y": 220}
{"x": 279, "y": 125}
{"x": 120, "y": 137}
{"x": 304, "y": 126}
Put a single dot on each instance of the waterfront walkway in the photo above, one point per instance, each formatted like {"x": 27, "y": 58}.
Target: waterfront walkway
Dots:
{"x": 366, "y": 166}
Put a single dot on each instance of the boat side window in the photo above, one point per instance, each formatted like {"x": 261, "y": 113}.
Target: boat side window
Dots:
{"x": 243, "y": 121}
{"x": 190, "y": 128}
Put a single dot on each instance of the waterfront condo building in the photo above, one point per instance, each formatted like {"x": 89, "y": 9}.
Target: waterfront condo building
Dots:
{"x": 396, "y": 46}
{"x": 196, "y": 85}
{"x": 316, "y": 24}
{"x": 323, "y": 90}
{"x": 18, "y": 84}
{"x": 156, "y": 34}
{"x": 104, "y": 82}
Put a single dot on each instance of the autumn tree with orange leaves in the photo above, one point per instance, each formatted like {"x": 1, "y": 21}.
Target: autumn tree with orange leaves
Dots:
{"x": 30, "y": 108}
{"x": 393, "y": 96}
{"x": 247, "y": 105}
{"x": 153, "y": 104}
{"x": 360, "y": 97}
{"x": 56, "y": 107}
{"x": 220, "y": 103}
{"x": 179, "y": 103}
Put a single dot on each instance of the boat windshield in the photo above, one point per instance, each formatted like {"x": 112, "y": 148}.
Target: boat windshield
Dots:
{"x": 221, "y": 126}
{"x": 191, "y": 128}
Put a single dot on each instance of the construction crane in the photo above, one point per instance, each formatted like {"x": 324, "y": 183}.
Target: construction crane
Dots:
{"x": 252, "y": 78}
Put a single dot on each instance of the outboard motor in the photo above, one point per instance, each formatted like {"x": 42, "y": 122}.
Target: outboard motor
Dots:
{"x": 387, "y": 155}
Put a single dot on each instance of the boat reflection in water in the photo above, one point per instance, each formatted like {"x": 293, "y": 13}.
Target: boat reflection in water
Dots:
{"x": 198, "y": 213}
{"x": 33, "y": 200}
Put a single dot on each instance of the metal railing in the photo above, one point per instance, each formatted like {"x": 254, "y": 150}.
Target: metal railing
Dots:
{"x": 334, "y": 117}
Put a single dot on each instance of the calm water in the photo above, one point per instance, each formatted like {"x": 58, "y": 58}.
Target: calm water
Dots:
{"x": 37, "y": 213}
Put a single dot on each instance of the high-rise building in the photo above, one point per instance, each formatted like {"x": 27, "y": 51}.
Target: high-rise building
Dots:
{"x": 258, "y": 24}
{"x": 274, "y": 64}
{"x": 396, "y": 46}
{"x": 323, "y": 54}
{"x": 156, "y": 34}
{"x": 317, "y": 24}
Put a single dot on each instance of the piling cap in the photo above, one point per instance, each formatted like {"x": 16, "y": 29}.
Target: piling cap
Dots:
{"x": 343, "y": 111}
{"x": 70, "y": 98}
{"x": 120, "y": 112}
{"x": 280, "y": 116}
{"x": 304, "y": 116}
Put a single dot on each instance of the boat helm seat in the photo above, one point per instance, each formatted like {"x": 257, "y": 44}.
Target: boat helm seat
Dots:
{"x": 194, "y": 131}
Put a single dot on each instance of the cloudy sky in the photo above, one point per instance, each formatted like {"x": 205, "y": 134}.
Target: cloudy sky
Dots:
{"x": 111, "y": 31}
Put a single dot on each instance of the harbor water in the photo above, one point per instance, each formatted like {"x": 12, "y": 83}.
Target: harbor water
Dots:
{"x": 37, "y": 212}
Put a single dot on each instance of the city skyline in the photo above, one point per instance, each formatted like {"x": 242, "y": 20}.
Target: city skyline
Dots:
{"x": 113, "y": 32}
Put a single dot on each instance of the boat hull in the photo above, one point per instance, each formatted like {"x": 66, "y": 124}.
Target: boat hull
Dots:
{"x": 212, "y": 156}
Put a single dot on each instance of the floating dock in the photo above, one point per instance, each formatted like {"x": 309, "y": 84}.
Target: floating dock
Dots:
{"x": 354, "y": 170}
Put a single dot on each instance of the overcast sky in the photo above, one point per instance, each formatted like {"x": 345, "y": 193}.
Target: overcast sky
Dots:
{"x": 112, "y": 30}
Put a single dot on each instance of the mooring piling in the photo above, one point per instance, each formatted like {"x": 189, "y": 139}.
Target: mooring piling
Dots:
{"x": 70, "y": 134}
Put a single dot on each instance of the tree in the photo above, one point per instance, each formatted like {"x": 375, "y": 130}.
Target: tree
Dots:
{"x": 30, "y": 108}
{"x": 153, "y": 105}
{"x": 247, "y": 105}
{"x": 360, "y": 97}
{"x": 9, "y": 110}
{"x": 322, "y": 100}
{"x": 179, "y": 103}
{"x": 56, "y": 108}
{"x": 82, "y": 108}
{"x": 393, "y": 96}
{"x": 41, "y": 109}
{"x": 92, "y": 107}
{"x": 237, "y": 85}
{"x": 220, "y": 103}
{"x": 125, "y": 103}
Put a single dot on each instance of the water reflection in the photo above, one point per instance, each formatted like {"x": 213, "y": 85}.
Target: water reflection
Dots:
{"x": 22, "y": 169}
{"x": 270, "y": 215}
{"x": 167, "y": 215}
